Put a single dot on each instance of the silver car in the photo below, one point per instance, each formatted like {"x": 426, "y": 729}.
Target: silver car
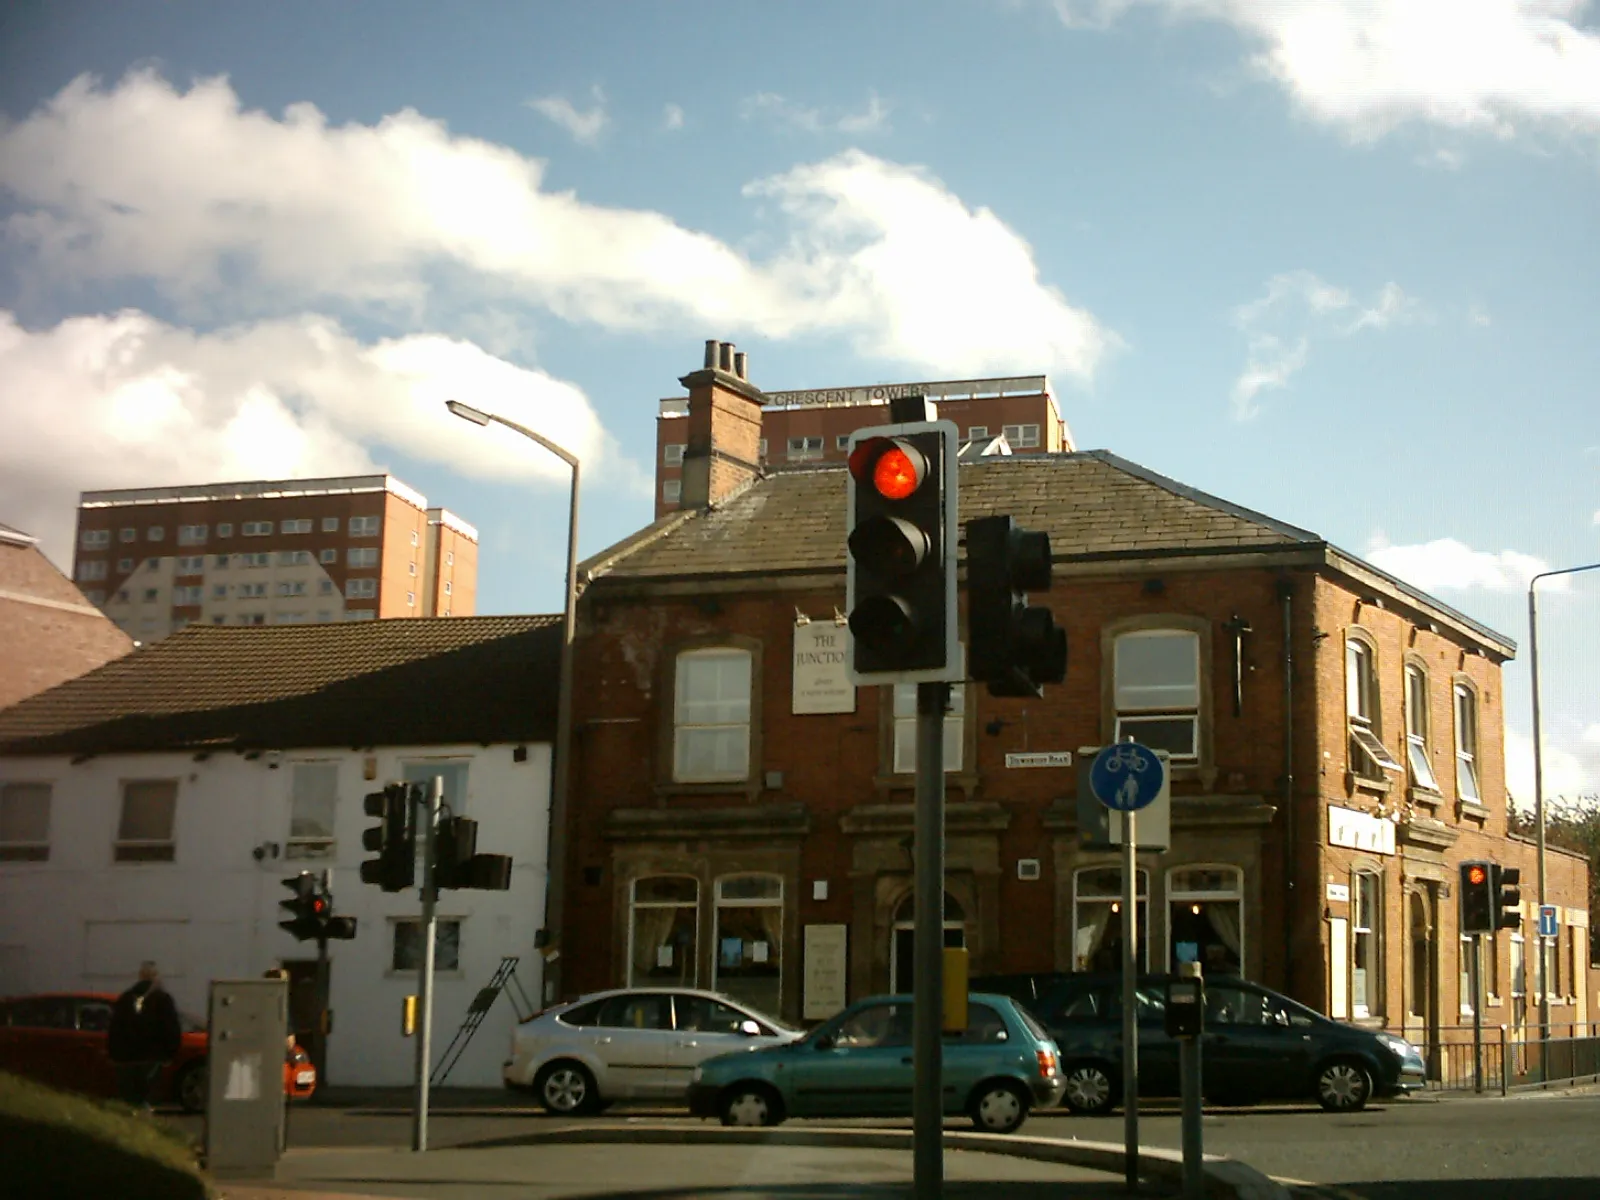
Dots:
{"x": 631, "y": 1044}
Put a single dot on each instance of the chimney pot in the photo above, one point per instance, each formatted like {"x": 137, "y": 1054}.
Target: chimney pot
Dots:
{"x": 726, "y": 361}
{"x": 739, "y": 361}
{"x": 712, "y": 346}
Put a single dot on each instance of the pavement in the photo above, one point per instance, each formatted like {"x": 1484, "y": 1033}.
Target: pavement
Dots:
{"x": 611, "y": 1160}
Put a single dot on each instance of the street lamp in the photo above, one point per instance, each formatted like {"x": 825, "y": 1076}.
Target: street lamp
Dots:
{"x": 1538, "y": 782}
{"x": 555, "y": 845}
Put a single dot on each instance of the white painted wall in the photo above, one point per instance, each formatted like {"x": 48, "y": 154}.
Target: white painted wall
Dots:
{"x": 83, "y": 921}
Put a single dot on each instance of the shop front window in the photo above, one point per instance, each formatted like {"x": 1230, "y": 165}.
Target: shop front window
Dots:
{"x": 663, "y": 922}
{"x": 748, "y": 964}
{"x": 1097, "y": 919}
{"x": 1206, "y": 919}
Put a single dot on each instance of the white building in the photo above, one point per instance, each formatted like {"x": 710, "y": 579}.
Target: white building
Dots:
{"x": 151, "y": 809}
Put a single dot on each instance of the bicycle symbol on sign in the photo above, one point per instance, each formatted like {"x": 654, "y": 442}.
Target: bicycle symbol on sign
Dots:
{"x": 1126, "y": 756}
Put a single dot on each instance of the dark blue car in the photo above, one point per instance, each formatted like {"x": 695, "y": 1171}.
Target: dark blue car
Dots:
{"x": 1258, "y": 1045}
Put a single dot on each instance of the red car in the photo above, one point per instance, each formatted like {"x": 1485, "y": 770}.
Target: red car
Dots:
{"x": 61, "y": 1040}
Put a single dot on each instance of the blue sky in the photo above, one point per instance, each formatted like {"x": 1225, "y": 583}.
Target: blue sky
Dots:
{"x": 1333, "y": 260}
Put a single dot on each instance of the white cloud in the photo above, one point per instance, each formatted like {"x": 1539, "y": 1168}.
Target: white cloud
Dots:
{"x": 1570, "y": 764}
{"x": 1446, "y": 564}
{"x": 126, "y": 400}
{"x": 874, "y": 118}
{"x": 1368, "y": 65}
{"x": 672, "y": 117}
{"x": 238, "y": 212}
{"x": 1296, "y": 307}
{"x": 585, "y": 126}
{"x": 1478, "y": 315}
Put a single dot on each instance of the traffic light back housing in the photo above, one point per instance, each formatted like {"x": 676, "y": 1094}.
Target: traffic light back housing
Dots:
{"x": 1507, "y": 897}
{"x": 394, "y": 838}
{"x": 900, "y": 587}
{"x": 1014, "y": 647}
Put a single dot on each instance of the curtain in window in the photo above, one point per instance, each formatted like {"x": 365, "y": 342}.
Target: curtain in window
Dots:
{"x": 1224, "y": 918}
{"x": 1092, "y": 921}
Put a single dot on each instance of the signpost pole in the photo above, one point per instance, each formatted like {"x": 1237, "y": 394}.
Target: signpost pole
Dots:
{"x": 430, "y": 895}
{"x": 1130, "y": 1001}
{"x": 927, "y": 1109}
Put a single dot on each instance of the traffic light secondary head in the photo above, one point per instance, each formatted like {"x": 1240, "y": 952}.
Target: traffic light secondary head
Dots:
{"x": 1014, "y": 647}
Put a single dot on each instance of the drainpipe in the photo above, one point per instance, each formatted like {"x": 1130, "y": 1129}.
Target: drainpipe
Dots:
{"x": 1286, "y": 595}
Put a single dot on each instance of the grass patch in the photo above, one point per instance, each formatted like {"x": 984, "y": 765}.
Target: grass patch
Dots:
{"x": 59, "y": 1144}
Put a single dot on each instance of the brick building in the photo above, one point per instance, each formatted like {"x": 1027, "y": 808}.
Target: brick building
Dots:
{"x": 49, "y": 631}
{"x": 815, "y": 425}
{"x": 1337, "y": 740}
{"x": 296, "y": 551}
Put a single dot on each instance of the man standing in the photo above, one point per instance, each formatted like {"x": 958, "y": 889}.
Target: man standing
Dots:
{"x": 144, "y": 1036}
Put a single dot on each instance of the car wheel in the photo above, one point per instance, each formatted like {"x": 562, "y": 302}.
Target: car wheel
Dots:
{"x": 751, "y": 1104}
{"x": 566, "y": 1089}
{"x": 190, "y": 1089}
{"x": 1089, "y": 1090}
{"x": 999, "y": 1107}
{"x": 1343, "y": 1086}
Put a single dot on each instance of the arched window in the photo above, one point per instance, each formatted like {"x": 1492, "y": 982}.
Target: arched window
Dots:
{"x": 1369, "y": 757}
{"x": 711, "y": 716}
{"x": 1366, "y": 943}
{"x": 663, "y": 929}
{"x": 902, "y": 945}
{"x": 1097, "y": 919}
{"x": 748, "y": 964}
{"x": 1418, "y": 754}
{"x": 1157, "y": 690}
{"x": 1467, "y": 744}
{"x": 1206, "y": 918}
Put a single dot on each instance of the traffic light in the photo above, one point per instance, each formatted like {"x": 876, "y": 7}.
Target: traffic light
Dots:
{"x": 1507, "y": 897}
{"x": 457, "y": 863}
{"x": 900, "y": 584}
{"x": 1477, "y": 897}
{"x": 393, "y": 838}
{"x": 1013, "y": 646}
{"x": 306, "y": 907}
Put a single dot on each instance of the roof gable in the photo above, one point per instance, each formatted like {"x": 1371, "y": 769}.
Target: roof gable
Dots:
{"x": 1092, "y": 504}
{"x": 408, "y": 681}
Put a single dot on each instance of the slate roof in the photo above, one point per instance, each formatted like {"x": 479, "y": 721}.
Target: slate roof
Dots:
{"x": 1094, "y": 505}
{"x": 402, "y": 682}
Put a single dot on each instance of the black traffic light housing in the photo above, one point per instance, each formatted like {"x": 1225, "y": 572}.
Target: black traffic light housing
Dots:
{"x": 900, "y": 587}
{"x": 1507, "y": 897}
{"x": 457, "y": 863}
{"x": 305, "y": 908}
{"x": 394, "y": 838}
{"x": 1477, "y": 897}
{"x": 1013, "y": 646}
{"x": 1186, "y": 1006}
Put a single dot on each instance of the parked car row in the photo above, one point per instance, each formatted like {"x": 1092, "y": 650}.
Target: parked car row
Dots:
{"x": 1030, "y": 1042}
{"x": 60, "y": 1040}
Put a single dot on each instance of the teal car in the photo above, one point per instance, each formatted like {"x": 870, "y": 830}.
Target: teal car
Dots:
{"x": 858, "y": 1064}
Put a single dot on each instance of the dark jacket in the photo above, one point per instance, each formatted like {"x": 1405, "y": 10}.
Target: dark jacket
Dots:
{"x": 144, "y": 1025}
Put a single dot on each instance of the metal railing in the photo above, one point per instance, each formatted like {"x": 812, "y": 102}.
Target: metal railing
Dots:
{"x": 1513, "y": 1058}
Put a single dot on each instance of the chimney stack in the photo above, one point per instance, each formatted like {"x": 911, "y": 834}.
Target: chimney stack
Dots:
{"x": 723, "y": 450}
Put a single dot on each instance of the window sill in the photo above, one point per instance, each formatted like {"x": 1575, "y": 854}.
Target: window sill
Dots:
{"x": 16, "y": 853}
{"x": 308, "y": 850}
{"x": 966, "y": 782}
{"x": 725, "y": 787}
{"x": 1466, "y": 808}
{"x": 1426, "y": 797}
{"x": 1367, "y": 783}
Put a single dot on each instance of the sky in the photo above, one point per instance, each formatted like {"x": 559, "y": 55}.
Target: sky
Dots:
{"x": 1335, "y": 260}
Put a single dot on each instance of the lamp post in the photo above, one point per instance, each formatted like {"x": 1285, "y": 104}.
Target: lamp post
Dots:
{"x": 555, "y": 847}
{"x": 1538, "y": 787}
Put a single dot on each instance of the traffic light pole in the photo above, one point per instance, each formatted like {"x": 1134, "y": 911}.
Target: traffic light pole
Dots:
{"x": 1477, "y": 1013}
{"x": 927, "y": 1109}
{"x": 1130, "y": 1001}
{"x": 430, "y": 895}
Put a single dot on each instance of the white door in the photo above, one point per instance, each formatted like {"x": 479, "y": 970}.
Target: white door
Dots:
{"x": 1338, "y": 968}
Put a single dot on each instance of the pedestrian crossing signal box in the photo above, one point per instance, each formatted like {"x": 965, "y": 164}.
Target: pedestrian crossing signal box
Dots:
{"x": 1186, "y": 1007}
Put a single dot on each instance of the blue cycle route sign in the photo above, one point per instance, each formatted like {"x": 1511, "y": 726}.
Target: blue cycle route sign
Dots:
{"x": 1126, "y": 776}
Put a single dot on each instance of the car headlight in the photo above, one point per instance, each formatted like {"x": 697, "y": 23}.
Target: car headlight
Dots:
{"x": 1398, "y": 1046}
{"x": 698, "y": 1072}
